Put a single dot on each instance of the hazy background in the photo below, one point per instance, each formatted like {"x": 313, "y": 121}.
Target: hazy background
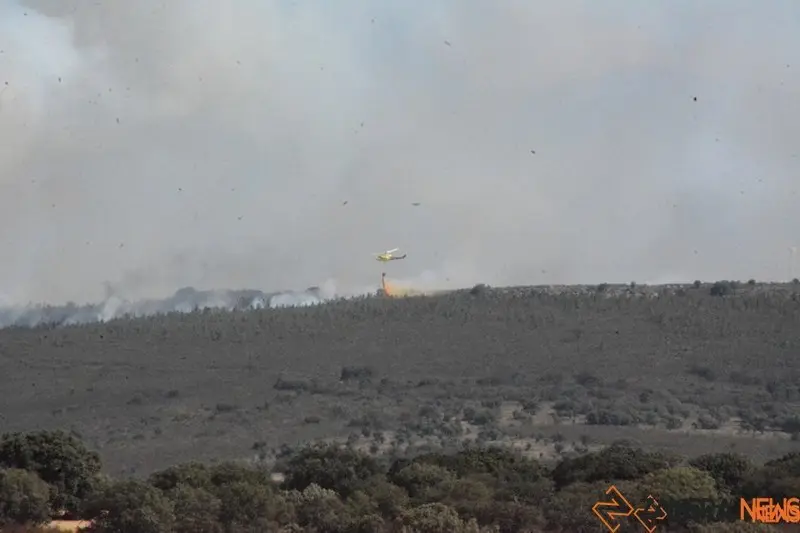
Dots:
{"x": 147, "y": 146}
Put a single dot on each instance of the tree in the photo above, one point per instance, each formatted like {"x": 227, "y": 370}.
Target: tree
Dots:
{"x": 250, "y": 506}
{"x": 722, "y": 288}
{"x": 567, "y": 509}
{"x": 231, "y": 472}
{"x": 193, "y": 474}
{"x": 131, "y": 506}
{"x": 59, "y": 459}
{"x": 680, "y": 483}
{"x": 508, "y": 517}
{"x": 434, "y": 518}
{"x": 389, "y": 499}
{"x": 686, "y": 493}
{"x": 419, "y": 479}
{"x": 729, "y": 470}
{"x": 779, "y": 478}
{"x": 196, "y": 510}
{"x": 342, "y": 470}
{"x": 318, "y": 507}
{"x": 617, "y": 462}
{"x": 503, "y": 464}
{"x": 468, "y": 492}
{"x": 788, "y": 465}
{"x": 24, "y": 497}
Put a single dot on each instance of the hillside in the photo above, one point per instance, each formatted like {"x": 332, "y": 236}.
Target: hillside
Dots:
{"x": 548, "y": 369}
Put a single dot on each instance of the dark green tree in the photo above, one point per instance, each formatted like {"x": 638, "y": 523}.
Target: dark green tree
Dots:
{"x": 569, "y": 509}
{"x": 680, "y": 483}
{"x": 232, "y": 472}
{"x": 389, "y": 499}
{"x": 24, "y": 497}
{"x": 59, "y": 459}
{"x": 319, "y": 508}
{"x": 193, "y": 474}
{"x": 420, "y": 479}
{"x": 343, "y": 470}
{"x": 128, "y": 506}
{"x": 779, "y": 478}
{"x": 433, "y": 518}
{"x": 617, "y": 462}
{"x": 729, "y": 470}
{"x": 196, "y": 510}
{"x": 250, "y": 507}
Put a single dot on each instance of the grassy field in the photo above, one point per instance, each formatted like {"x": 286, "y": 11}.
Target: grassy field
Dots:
{"x": 549, "y": 370}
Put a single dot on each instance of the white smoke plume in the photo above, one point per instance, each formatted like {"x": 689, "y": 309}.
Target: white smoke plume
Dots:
{"x": 184, "y": 300}
{"x": 159, "y": 145}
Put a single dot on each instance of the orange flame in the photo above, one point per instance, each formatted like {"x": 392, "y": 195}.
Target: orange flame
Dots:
{"x": 387, "y": 287}
{"x": 393, "y": 291}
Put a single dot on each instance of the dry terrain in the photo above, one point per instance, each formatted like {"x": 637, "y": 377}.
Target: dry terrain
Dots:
{"x": 549, "y": 370}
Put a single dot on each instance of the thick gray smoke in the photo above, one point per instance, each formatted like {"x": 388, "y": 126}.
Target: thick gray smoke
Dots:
{"x": 157, "y": 145}
{"x": 184, "y": 300}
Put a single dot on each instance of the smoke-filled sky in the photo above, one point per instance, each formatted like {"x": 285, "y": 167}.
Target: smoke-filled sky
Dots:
{"x": 152, "y": 145}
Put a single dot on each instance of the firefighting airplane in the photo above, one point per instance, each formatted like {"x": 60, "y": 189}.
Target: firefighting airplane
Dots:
{"x": 388, "y": 255}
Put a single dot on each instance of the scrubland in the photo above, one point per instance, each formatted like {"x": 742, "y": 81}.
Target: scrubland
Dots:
{"x": 457, "y": 406}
